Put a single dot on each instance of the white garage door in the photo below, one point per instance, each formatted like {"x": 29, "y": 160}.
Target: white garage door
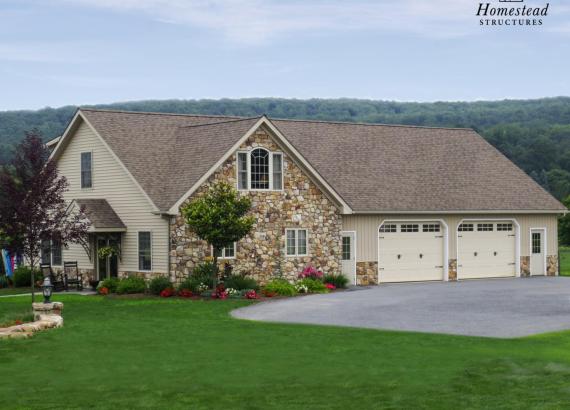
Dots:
{"x": 410, "y": 252}
{"x": 486, "y": 249}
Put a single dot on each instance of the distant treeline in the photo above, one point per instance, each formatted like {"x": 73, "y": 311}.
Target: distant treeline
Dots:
{"x": 535, "y": 134}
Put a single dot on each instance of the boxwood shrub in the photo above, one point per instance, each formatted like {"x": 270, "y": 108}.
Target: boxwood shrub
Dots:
{"x": 314, "y": 285}
{"x": 158, "y": 284}
{"x": 23, "y": 276}
{"x": 240, "y": 282}
{"x": 111, "y": 284}
{"x": 133, "y": 284}
{"x": 339, "y": 281}
{"x": 281, "y": 287}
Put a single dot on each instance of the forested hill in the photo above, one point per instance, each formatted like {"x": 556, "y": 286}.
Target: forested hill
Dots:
{"x": 535, "y": 134}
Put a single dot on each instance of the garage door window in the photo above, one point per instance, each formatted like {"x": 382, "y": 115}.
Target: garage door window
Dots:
{"x": 345, "y": 248}
{"x": 465, "y": 228}
{"x": 485, "y": 227}
{"x": 410, "y": 228}
{"x": 388, "y": 228}
{"x": 505, "y": 227}
{"x": 430, "y": 228}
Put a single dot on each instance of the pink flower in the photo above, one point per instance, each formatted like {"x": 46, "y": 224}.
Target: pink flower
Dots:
{"x": 311, "y": 272}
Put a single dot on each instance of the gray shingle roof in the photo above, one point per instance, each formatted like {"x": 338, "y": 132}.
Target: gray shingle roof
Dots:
{"x": 101, "y": 214}
{"x": 372, "y": 167}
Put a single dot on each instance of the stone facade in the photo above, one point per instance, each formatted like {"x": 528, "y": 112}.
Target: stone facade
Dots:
{"x": 452, "y": 269}
{"x": 301, "y": 204}
{"x": 552, "y": 265}
{"x": 525, "y": 266}
{"x": 366, "y": 273}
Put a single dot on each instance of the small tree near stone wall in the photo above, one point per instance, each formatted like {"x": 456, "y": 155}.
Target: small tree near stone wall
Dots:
{"x": 219, "y": 217}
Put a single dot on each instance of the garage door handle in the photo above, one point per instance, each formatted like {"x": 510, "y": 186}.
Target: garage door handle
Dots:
{"x": 474, "y": 253}
{"x": 495, "y": 253}
{"x": 421, "y": 255}
{"x": 399, "y": 256}
{"x": 439, "y": 267}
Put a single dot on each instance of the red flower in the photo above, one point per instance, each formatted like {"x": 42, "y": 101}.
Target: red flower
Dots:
{"x": 251, "y": 294}
{"x": 18, "y": 322}
{"x": 269, "y": 294}
{"x": 185, "y": 293}
{"x": 330, "y": 286}
{"x": 103, "y": 291}
{"x": 166, "y": 293}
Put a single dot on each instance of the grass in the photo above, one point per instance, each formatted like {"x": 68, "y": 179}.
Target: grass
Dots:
{"x": 17, "y": 291}
{"x": 174, "y": 353}
{"x": 564, "y": 261}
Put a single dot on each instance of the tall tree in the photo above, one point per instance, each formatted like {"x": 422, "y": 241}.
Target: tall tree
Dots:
{"x": 219, "y": 217}
{"x": 32, "y": 206}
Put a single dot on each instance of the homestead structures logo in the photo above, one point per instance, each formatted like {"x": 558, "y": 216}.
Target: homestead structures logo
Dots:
{"x": 511, "y": 13}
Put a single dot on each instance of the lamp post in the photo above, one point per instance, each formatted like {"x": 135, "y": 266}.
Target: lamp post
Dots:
{"x": 47, "y": 289}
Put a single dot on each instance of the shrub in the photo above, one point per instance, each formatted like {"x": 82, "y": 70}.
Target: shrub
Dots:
{"x": 23, "y": 276}
{"x": 339, "y": 281}
{"x": 281, "y": 287}
{"x": 111, "y": 285}
{"x": 313, "y": 285}
{"x": 3, "y": 281}
{"x": 132, "y": 284}
{"x": 205, "y": 273}
{"x": 193, "y": 284}
{"x": 159, "y": 284}
{"x": 312, "y": 273}
{"x": 240, "y": 282}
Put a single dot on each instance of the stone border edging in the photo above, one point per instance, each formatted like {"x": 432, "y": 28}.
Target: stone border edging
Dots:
{"x": 46, "y": 316}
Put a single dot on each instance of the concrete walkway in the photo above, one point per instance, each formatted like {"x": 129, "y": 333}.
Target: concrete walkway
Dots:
{"x": 502, "y": 308}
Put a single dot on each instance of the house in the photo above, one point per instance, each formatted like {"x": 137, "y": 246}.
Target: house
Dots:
{"x": 379, "y": 203}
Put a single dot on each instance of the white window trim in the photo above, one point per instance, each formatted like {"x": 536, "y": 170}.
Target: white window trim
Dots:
{"x": 224, "y": 253}
{"x": 51, "y": 262}
{"x": 297, "y": 254}
{"x": 248, "y": 157}
{"x": 139, "y": 251}
{"x": 81, "y": 171}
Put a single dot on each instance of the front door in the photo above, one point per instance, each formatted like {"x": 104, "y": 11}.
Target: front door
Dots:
{"x": 349, "y": 256}
{"x": 107, "y": 267}
{"x": 537, "y": 252}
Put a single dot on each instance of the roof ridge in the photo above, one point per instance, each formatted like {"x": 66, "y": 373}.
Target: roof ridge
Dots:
{"x": 220, "y": 122}
{"x": 161, "y": 113}
{"x": 371, "y": 124}
{"x": 237, "y": 117}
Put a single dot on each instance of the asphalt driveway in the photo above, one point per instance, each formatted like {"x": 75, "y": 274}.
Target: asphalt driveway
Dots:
{"x": 495, "y": 307}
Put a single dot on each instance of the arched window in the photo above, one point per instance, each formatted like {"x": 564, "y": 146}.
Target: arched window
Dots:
{"x": 259, "y": 169}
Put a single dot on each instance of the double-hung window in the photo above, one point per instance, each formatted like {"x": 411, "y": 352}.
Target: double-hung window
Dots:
{"x": 260, "y": 169}
{"x": 228, "y": 252}
{"x": 86, "y": 170}
{"x": 296, "y": 242}
{"x": 51, "y": 252}
{"x": 145, "y": 251}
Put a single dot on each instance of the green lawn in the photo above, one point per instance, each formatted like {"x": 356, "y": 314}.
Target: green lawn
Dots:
{"x": 564, "y": 261}
{"x": 157, "y": 353}
{"x": 18, "y": 291}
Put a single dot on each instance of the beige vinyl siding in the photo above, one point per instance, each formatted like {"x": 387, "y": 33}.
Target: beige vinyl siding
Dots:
{"x": 366, "y": 227}
{"x": 111, "y": 182}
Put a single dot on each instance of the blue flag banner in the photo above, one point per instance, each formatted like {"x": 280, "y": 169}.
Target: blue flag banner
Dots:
{"x": 7, "y": 261}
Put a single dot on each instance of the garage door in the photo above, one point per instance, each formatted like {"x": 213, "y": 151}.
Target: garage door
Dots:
{"x": 410, "y": 252}
{"x": 486, "y": 249}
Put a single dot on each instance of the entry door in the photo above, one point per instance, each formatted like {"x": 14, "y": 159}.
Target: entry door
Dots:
{"x": 349, "y": 256}
{"x": 537, "y": 252}
{"x": 108, "y": 266}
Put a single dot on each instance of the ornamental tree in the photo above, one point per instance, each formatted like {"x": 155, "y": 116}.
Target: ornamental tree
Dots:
{"x": 219, "y": 217}
{"x": 32, "y": 207}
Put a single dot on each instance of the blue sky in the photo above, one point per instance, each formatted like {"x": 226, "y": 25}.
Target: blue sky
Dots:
{"x": 60, "y": 52}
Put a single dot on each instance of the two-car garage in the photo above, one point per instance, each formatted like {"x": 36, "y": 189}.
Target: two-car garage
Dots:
{"x": 410, "y": 251}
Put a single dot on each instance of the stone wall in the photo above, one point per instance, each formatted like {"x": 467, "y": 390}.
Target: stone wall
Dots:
{"x": 552, "y": 265}
{"x": 525, "y": 266}
{"x": 366, "y": 273}
{"x": 452, "y": 269}
{"x": 301, "y": 204}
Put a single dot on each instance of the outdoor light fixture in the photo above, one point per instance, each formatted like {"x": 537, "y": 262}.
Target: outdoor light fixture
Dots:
{"x": 46, "y": 288}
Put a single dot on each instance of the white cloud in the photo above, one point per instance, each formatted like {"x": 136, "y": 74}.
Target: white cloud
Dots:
{"x": 258, "y": 21}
